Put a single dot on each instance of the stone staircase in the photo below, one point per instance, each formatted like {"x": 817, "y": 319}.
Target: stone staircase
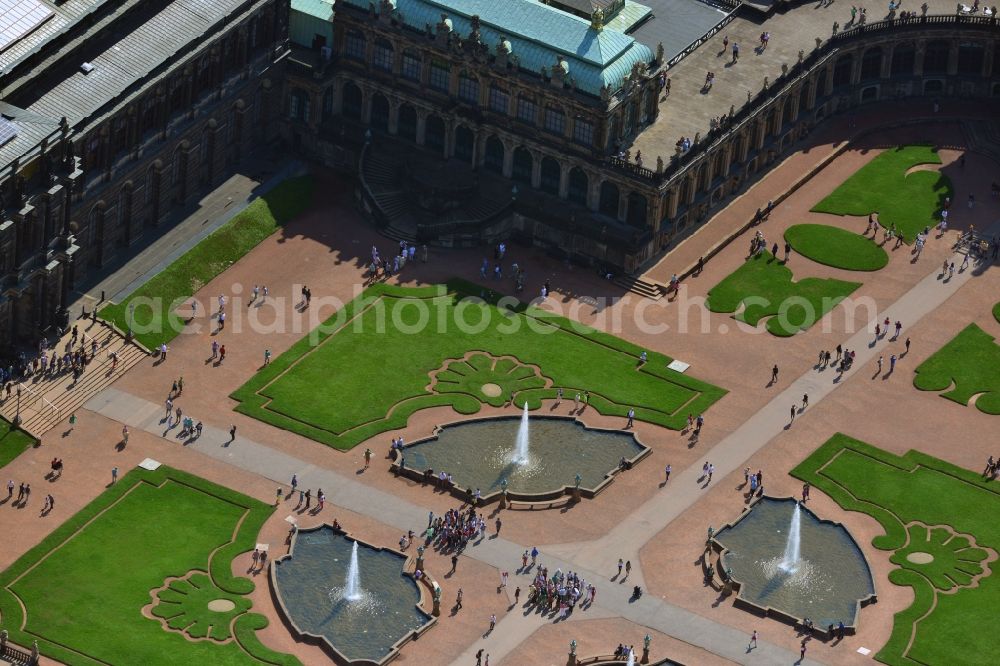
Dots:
{"x": 641, "y": 286}
{"x": 984, "y": 136}
{"x": 381, "y": 175}
{"x": 48, "y": 399}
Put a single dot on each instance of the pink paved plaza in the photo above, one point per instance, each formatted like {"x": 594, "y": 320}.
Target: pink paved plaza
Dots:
{"x": 659, "y": 527}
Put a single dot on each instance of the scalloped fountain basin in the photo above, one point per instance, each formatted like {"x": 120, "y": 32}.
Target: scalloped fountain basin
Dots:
{"x": 479, "y": 454}
{"x": 831, "y": 575}
{"x": 310, "y": 585}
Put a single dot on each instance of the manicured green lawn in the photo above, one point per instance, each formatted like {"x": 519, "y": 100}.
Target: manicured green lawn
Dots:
{"x": 929, "y": 506}
{"x": 159, "y": 297}
{"x": 833, "y": 246}
{"x": 84, "y": 587}
{"x": 13, "y": 442}
{"x": 765, "y": 286}
{"x": 910, "y": 202}
{"x": 996, "y": 311}
{"x": 972, "y": 361}
{"x": 387, "y": 362}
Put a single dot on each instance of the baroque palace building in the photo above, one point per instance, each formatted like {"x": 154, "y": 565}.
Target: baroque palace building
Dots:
{"x": 466, "y": 121}
{"x": 114, "y": 114}
{"x": 539, "y": 99}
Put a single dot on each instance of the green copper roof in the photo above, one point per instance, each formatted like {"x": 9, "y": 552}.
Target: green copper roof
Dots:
{"x": 537, "y": 34}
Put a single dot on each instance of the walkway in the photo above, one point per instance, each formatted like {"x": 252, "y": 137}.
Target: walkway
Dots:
{"x": 388, "y": 509}
{"x": 687, "y": 110}
{"x": 772, "y": 420}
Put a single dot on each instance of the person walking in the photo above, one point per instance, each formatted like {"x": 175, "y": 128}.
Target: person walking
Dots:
{"x": 458, "y": 600}
{"x": 628, "y": 569}
{"x": 267, "y": 357}
{"x": 124, "y": 436}
{"x": 774, "y": 373}
{"x": 493, "y": 623}
{"x": 498, "y": 525}
{"x": 631, "y": 417}
{"x": 114, "y": 475}
{"x": 907, "y": 346}
{"x": 753, "y": 641}
{"x": 666, "y": 473}
{"x": 232, "y": 433}
{"x": 736, "y": 53}
{"x": 215, "y": 349}
{"x": 294, "y": 483}
{"x": 878, "y": 370}
{"x": 621, "y": 563}
{"x": 368, "y": 458}
{"x": 805, "y": 401}
{"x": 793, "y": 413}
{"x": 892, "y": 363}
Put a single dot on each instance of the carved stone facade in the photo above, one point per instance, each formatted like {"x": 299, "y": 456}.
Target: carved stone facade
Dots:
{"x": 70, "y": 204}
{"x": 460, "y": 98}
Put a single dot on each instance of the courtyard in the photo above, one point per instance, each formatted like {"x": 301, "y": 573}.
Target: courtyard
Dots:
{"x": 307, "y": 387}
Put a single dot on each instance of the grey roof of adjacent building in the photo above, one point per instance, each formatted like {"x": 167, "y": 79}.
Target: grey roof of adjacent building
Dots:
{"x": 65, "y": 15}
{"x": 677, "y": 23}
{"x": 131, "y": 58}
{"x": 31, "y": 129}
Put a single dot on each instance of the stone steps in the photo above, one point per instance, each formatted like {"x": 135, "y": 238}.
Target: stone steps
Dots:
{"x": 642, "y": 287}
{"x": 47, "y": 402}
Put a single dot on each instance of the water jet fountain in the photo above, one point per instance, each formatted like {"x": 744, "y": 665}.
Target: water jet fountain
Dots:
{"x": 352, "y": 587}
{"x": 520, "y": 456}
{"x": 790, "y": 560}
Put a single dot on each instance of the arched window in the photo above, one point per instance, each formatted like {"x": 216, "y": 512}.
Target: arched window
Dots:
{"x": 936, "y": 57}
{"x": 578, "y": 186}
{"x": 871, "y": 64}
{"x": 551, "y": 174}
{"x": 493, "y": 159}
{"x": 354, "y": 47}
{"x": 468, "y": 88}
{"x": 609, "y": 199}
{"x": 412, "y": 65}
{"x": 383, "y": 54}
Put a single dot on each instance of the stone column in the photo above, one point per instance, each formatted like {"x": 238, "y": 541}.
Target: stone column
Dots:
{"x": 622, "y": 205}
{"x": 672, "y": 202}
{"x": 366, "y": 105}
{"x": 918, "y": 58}
{"x": 988, "y": 59}
{"x": 953, "y": 59}
{"x": 829, "y": 80}
{"x": 421, "y": 126}
{"x": 449, "y": 138}
{"x": 508, "y": 158}
{"x": 811, "y": 97}
{"x": 886, "y": 70}
{"x": 394, "y": 104}
{"x": 563, "y": 180}
{"x": 594, "y": 192}
{"x": 536, "y": 169}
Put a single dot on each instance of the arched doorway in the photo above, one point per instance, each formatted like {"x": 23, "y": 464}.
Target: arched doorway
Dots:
{"x": 551, "y": 173}
{"x": 352, "y": 101}
{"x": 465, "y": 142}
{"x": 578, "y": 186}
{"x": 636, "y": 210}
{"x": 380, "y": 112}
{"x": 407, "y": 122}
{"x": 842, "y": 70}
{"x": 523, "y": 164}
{"x": 903, "y": 58}
{"x": 871, "y": 64}
{"x": 493, "y": 158}
{"x": 434, "y": 134}
{"x": 609, "y": 199}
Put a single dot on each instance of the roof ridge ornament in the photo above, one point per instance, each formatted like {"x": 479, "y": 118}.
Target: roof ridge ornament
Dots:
{"x": 597, "y": 19}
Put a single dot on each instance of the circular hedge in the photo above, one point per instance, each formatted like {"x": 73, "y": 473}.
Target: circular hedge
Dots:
{"x": 836, "y": 247}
